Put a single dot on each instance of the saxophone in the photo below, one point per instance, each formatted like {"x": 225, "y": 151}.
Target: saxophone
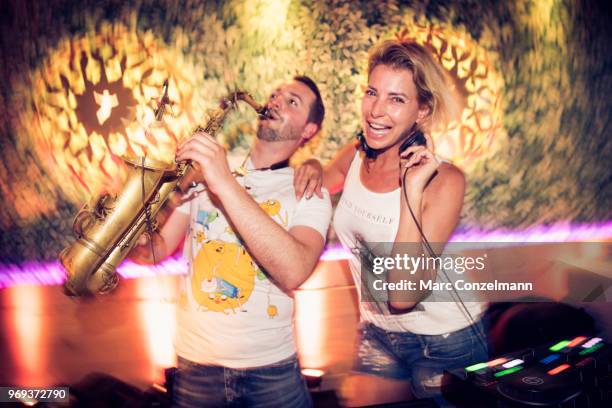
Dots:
{"x": 107, "y": 229}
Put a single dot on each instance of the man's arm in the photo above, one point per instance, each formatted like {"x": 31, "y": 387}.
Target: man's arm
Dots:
{"x": 288, "y": 256}
{"x": 165, "y": 242}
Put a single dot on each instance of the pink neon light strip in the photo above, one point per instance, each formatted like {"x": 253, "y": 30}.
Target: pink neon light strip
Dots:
{"x": 52, "y": 273}
{"x": 561, "y": 232}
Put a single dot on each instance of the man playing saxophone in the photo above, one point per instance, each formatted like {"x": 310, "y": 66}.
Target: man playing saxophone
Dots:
{"x": 249, "y": 243}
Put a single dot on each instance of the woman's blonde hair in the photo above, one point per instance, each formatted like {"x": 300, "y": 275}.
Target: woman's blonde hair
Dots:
{"x": 431, "y": 80}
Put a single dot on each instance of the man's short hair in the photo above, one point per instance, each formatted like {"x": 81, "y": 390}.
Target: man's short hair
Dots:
{"x": 317, "y": 110}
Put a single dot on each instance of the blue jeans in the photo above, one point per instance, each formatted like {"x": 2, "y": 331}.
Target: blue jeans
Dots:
{"x": 419, "y": 358}
{"x": 277, "y": 385}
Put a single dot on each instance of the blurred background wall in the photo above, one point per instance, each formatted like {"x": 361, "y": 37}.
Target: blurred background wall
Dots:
{"x": 78, "y": 79}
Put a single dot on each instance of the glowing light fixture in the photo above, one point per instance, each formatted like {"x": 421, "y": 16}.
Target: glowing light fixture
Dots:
{"x": 158, "y": 320}
{"x": 310, "y": 333}
{"x": 107, "y": 102}
{"x": 27, "y": 328}
{"x": 477, "y": 86}
{"x": 91, "y": 97}
{"x": 313, "y": 377}
{"x": 313, "y": 372}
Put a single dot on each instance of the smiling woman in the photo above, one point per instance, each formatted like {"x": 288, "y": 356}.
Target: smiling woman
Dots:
{"x": 390, "y": 106}
{"x": 401, "y": 91}
{"x": 420, "y": 199}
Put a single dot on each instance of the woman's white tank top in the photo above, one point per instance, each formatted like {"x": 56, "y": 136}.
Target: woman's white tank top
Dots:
{"x": 374, "y": 217}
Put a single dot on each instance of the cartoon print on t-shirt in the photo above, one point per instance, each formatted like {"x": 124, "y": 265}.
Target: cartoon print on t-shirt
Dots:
{"x": 224, "y": 276}
{"x": 223, "y": 272}
{"x": 273, "y": 209}
{"x": 206, "y": 217}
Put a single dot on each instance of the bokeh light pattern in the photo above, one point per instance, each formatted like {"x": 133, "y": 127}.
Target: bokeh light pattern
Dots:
{"x": 93, "y": 102}
{"x": 478, "y": 88}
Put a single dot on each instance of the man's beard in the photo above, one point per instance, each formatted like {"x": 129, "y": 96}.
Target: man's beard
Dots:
{"x": 275, "y": 135}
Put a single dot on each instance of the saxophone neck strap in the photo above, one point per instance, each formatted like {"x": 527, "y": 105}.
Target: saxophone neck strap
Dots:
{"x": 243, "y": 170}
{"x": 275, "y": 166}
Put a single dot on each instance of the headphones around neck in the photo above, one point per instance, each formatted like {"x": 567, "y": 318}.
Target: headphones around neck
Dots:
{"x": 415, "y": 138}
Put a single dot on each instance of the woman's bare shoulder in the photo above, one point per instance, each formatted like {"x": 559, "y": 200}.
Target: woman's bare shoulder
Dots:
{"x": 447, "y": 177}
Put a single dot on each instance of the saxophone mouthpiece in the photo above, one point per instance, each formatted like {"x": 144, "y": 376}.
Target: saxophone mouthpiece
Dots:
{"x": 264, "y": 113}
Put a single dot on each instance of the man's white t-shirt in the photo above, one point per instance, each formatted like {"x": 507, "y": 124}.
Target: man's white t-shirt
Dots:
{"x": 230, "y": 313}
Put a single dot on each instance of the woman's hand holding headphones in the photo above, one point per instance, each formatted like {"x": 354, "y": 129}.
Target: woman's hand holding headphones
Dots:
{"x": 418, "y": 164}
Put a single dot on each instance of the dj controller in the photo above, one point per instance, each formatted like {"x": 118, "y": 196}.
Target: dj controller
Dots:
{"x": 574, "y": 373}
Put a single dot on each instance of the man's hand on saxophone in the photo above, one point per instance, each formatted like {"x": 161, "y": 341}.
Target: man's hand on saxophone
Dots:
{"x": 165, "y": 241}
{"x": 149, "y": 248}
{"x": 211, "y": 158}
{"x": 204, "y": 150}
